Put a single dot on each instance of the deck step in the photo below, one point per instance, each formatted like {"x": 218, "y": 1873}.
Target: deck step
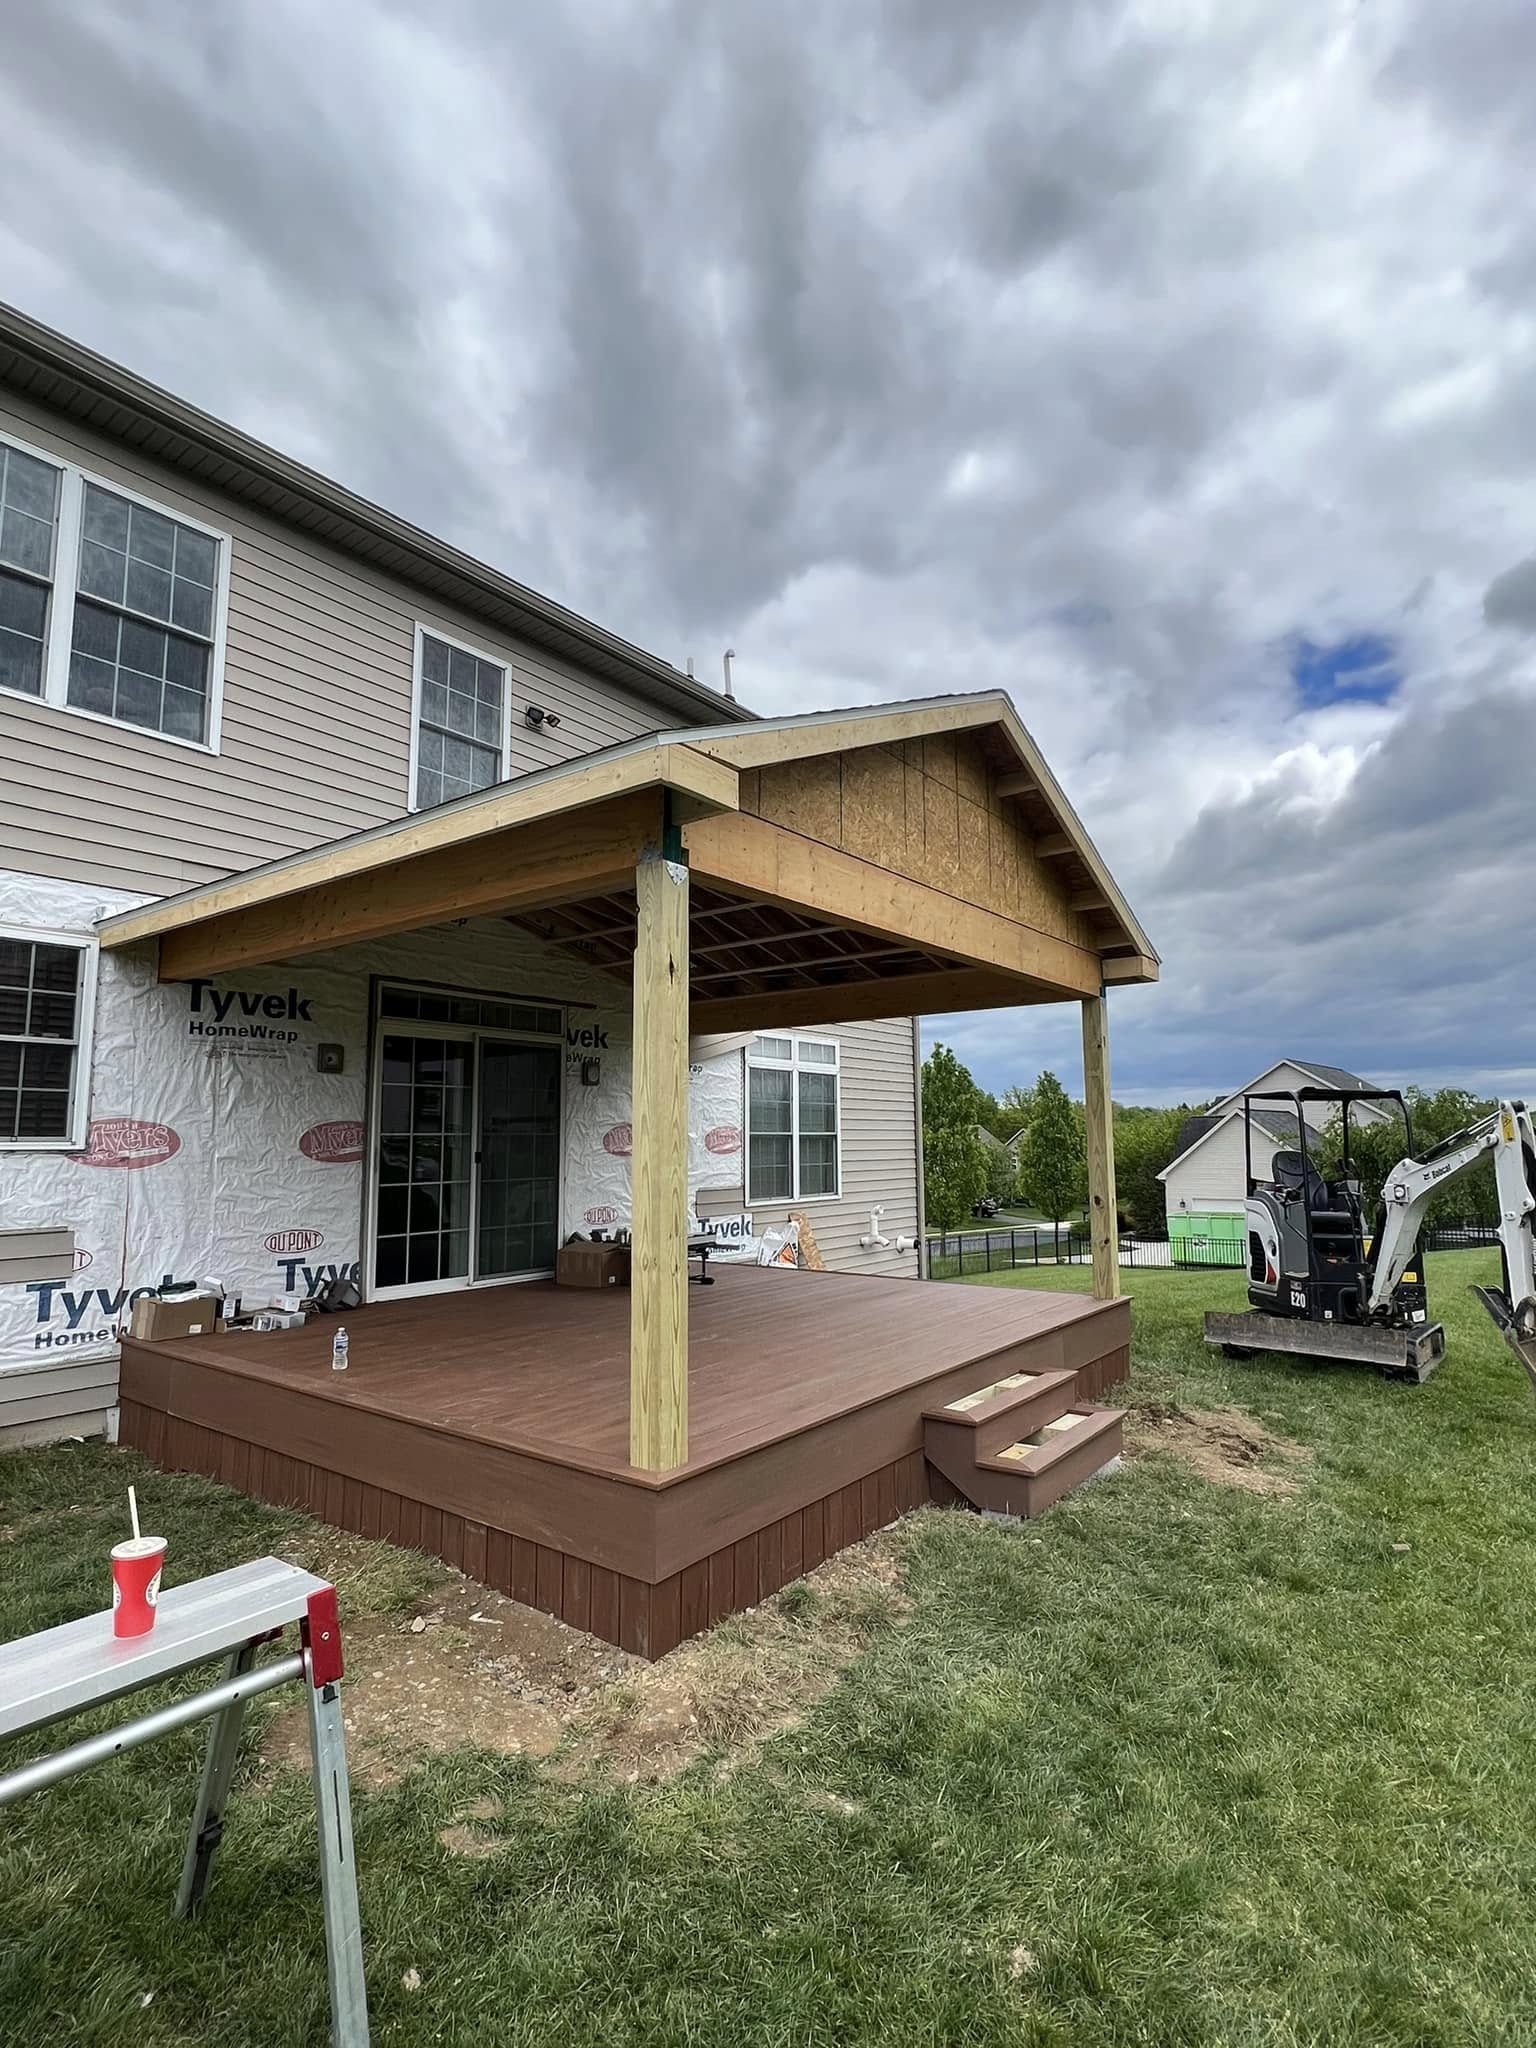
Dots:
{"x": 1032, "y": 1467}
{"x": 977, "y": 1424}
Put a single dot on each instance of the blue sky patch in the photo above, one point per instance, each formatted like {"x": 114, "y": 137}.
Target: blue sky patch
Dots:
{"x": 1360, "y": 670}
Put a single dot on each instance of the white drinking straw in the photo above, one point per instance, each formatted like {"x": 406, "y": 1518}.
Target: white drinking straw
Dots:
{"x": 133, "y": 1512}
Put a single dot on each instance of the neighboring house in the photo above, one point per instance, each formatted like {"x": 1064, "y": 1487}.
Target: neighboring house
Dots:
{"x": 211, "y": 657}
{"x": 1205, "y": 1183}
{"x": 989, "y": 1143}
{"x": 1290, "y": 1075}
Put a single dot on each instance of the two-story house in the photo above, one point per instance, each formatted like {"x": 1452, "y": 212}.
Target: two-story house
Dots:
{"x": 211, "y": 657}
{"x": 366, "y": 917}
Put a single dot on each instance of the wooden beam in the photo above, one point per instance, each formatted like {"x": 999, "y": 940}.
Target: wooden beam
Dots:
{"x": 658, "y": 1301}
{"x": 769, "y": 741}
{"x": 897, "y": 995}
{"x": 645, "y": 767}
{"x": 1016, "y": 785}
{"x": 764, "y": 743}
{"x": 771, "y": 864}
{"x": 1052, "y": 845}
{"x": 1099, "y": 1133}
{"x": 1126, "y": 967}
{"x": 1088, "y": 900}
{"x": 582, "y": 854}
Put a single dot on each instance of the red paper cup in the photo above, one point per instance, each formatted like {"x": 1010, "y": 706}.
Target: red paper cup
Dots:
{"x": 136, "y": 1567}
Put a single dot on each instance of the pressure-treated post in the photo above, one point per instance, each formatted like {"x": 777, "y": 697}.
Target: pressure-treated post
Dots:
{"x": 1099, "y": 1132}
{"x": 658, "y": 1306}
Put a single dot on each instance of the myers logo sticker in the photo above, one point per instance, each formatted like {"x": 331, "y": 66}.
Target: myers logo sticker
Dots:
{"x": 619, "y": 1141}
{"x": 723, "y": 1138}
{"x": 294, "y": 1240}
{"x": 128, "y": 1141}
{"x": 332, "y": 1144}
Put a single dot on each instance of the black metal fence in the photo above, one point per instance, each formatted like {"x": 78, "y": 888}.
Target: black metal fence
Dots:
{"x": 960, "y": 1254}
{"x": 1460, "y": 1237}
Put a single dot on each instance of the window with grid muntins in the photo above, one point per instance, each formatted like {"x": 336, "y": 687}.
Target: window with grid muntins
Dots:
{"x": 142, "y": 646}
{"x": 792, "y": 1119}
{"x": 39, "y": 1038}
{"x": 460, "y": 729}
{"x": 29, "y": 517}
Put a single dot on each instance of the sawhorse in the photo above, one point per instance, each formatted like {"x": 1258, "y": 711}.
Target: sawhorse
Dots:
{"x": 48, "y": 1677}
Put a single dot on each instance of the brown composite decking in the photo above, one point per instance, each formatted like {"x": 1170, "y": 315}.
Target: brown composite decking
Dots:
{"x": 491, "y": 1427}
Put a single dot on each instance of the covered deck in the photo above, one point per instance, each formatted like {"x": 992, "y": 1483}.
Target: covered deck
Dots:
{"x": 747, "y": 878}
{"x": 490, "y": 1428}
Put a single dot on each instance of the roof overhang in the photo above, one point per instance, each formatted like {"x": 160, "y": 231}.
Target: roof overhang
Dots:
{"x": 832, "y": 933}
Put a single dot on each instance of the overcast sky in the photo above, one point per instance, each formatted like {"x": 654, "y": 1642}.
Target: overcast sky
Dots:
{"x": 1172, "y": 366}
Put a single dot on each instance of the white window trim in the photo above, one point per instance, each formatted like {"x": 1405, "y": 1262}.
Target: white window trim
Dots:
{"x": 85, "y": 1032}
{"x": 73, "y": 479}
{"x": 449, "y": 639}
{"x": 793, "y": 1065}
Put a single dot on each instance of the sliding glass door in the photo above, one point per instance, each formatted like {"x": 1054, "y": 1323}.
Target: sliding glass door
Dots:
{"x": 425, "y": 1161}
{"x": 465, "y": 1158}
{"x": 517, "y": 1212}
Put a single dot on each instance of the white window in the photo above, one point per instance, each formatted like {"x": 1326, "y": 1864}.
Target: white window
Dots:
{"x": 108, "y": 605}
{"x": 47, "y": 996}
{"x": 793, "y": 1119}
{"x": 459, "y": 742}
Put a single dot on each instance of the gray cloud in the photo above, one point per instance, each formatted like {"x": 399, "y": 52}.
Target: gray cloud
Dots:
{"x": 1094, "y": 352}
{"x": 1510, "y": 599}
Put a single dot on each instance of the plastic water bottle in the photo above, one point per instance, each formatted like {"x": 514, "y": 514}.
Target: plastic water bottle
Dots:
{"x": 339, "y": 1351}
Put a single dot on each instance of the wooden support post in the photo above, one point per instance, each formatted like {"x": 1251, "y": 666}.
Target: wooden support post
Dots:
{"x": 1099, "y": 1132}
{"x": 658, "y": 1308}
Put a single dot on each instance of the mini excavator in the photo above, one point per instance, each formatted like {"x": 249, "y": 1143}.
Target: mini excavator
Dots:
{"x": 1322, "y": 1284}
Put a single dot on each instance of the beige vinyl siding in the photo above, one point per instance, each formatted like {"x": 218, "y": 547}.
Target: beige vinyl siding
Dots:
{"x": 56, "y": 1398}
{"x": 879, "y": 1150}
{"x": 1212, "y": 1178}
{"x": 316, "y": 721}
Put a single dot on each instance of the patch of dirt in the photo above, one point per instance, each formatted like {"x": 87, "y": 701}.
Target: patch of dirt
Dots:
{"x": 754, "y": 1677}
{"x": 468, "y": 1669}
{"x": 473, "y": 1669}
{"x": 1227, "y": 1446}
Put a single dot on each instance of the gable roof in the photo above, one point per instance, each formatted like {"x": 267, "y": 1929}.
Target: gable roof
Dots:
{"x": 1195, "y": 1130}
{"x": 53, "y": 371}
{"x": 1129, "y": 954}
{"x": 701, "y": 763}
{"x": 1325, "y": 1077}
{"x": 1333, "y": 1077}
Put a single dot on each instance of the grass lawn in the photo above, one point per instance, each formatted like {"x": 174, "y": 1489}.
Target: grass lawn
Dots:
{"x": 1179, "y": 1764}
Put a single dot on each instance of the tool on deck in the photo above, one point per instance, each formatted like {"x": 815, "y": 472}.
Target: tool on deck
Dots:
{"x": 65, "y": 1671}
{"x": 1321, "y": 1286}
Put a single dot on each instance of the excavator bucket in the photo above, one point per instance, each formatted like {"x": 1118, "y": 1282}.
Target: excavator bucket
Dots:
{"x": 1522, "y": 1343}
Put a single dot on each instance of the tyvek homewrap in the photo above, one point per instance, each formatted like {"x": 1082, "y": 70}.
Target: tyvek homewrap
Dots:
{"x": 216, "y": 1149}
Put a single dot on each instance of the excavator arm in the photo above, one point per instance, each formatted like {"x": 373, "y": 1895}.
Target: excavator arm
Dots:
{"x": 1410, "y": 1186}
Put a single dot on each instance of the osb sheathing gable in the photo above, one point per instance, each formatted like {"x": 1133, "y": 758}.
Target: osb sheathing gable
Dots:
{"x": 928, "y": 809}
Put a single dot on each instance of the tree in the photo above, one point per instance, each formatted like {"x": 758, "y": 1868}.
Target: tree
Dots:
{"x": 1144, "y": 1144}
{"x": 1002, "y": 1174}
{"x": 1015, "y": 1107}
{"x": 1374, "y": 1149}
{"x": 954, "y": 1168}
{"x": 1052, "y": 1174}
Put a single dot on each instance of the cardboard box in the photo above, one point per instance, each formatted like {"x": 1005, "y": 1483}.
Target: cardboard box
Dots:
{"x": 154, "y": 1321}
{"x": 592, "y": 1265}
